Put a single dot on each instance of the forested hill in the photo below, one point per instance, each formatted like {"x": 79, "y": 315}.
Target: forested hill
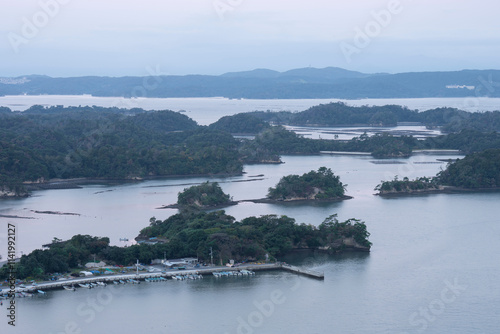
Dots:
{"x": 340, "y": 114}
{"x": 46, "y": 143}
{"x": 327, "y": 82}
{"x": 110, "y": 143}
{"x": 478, "y": 170}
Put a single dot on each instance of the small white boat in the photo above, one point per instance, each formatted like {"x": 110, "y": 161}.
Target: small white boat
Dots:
{"x": 70, "y": 288}
{"x": 85, "y": 286}
{"x": 41, "y": 292}
{"x": 101, "y": 283}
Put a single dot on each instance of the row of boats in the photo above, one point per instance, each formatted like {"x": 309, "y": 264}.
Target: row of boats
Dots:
{"x": 96, "y": 284}
{"x": 242, "y": 272}
{"x": 23, "y": 294}
{"x": 185, "y": 277}
{"x": 180, "y": 277}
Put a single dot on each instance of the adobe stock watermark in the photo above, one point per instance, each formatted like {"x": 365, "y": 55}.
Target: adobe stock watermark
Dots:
{"x": 363, "y": 36}
{"x": 264, "y": 309}
{"x": 425, "y": 316}
{"x": 223, "y": 6}
{"x": 88, "y": 310}
{"x": 32, "y": 26}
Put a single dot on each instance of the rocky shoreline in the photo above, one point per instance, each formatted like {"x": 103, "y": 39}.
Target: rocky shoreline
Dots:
{"x": 298, "y": 200}
{"x": 441, "y": 190}
{"x": 262, "y": 200}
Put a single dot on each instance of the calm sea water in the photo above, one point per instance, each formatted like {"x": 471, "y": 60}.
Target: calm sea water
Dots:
{"x": 432, "y": 268}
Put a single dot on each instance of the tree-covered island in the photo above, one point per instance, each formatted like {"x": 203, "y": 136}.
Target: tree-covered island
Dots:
{"x": 193, "y": 233}
{"x": 208, "y": 195}
{"x": 314, "y": 185}
{"x": 43, "y": 144}
{"x": 477, "y": 171}
{"x": 407, "y": 186}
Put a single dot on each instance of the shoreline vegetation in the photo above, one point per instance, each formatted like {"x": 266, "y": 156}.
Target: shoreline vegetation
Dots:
{"x": 205, "y": 196}
{"x": 315, "y": 185}
{"x": 478, "y": 172}
{"x": 200, "y": 234}
{"x": 74, "y": 145}
{"x": 320, "y": 186}
{"x": 103, "y": 144}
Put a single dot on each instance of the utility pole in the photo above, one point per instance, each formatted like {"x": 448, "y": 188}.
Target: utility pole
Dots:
{"x": 211, "y": 256}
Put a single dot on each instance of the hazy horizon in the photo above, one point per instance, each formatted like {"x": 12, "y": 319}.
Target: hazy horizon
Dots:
{"x": 65, "y": 38}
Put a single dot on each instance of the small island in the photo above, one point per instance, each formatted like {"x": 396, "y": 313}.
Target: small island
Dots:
{"x": 321, "y": 185}
{"x": 208, "y": 195}
{"x": 476, "y": 172}
{"x": 406, "y": 186}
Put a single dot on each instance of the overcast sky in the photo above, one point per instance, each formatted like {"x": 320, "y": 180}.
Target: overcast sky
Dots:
{"x": 122, "y": 37}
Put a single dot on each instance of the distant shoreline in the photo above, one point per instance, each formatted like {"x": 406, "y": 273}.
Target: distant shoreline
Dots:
{"x": 77, "y": 183}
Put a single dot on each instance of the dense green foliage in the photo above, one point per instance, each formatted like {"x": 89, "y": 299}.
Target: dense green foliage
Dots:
{"x": 467, "y": 141}
{"x": 18, "y": 165}
{"x": 407, "y": 186}
{"x": 478, "y": 170}
{"x": 322, "y": 184}
{"x": 277, "y": 140}
{"x": 193, "y": 233}
{"x": 336, "y": 231}
{"x": 480, "y": 121}
{"x": 340, "y": 114}
{"x": 204, "y": 195}
{"x": 108, "y": 143}
{"x": 59, "y": 258}
{"x": 244, "y": 123}
{"x": 46, "y": 143}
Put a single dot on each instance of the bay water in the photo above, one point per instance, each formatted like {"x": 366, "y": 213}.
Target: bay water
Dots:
{"x": 433, "y": 267}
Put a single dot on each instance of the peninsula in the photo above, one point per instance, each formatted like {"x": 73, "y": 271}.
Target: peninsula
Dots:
{"x": 476, "y": 172}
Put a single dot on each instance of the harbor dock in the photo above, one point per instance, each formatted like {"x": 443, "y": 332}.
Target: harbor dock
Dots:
{"x": 78, "y": 282}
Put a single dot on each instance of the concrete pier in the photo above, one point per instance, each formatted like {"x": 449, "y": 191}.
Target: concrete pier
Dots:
{"x": 305, "y": 272}
{"x": 169, "y": 274}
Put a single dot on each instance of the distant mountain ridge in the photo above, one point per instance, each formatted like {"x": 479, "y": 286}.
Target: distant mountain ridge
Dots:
{"x": 329, "y": 82}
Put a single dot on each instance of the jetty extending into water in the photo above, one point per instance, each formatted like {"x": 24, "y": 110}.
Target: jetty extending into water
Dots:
{"x": 305, "y": 272}
{"x": 78, "y": 282}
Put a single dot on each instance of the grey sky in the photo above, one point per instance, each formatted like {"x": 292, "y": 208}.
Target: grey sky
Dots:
{"x": 122, "y": 37}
